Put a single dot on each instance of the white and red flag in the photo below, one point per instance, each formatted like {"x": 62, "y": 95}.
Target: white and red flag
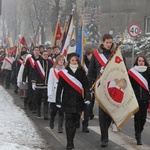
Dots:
{"x": 68, "y": 37}
{"x": 114, "y": 92}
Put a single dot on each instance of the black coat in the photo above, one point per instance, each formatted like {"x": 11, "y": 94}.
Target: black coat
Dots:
{"x": 140, "y": 92}
{"x": 72, "y": 101}
{"x": 28, "y": 70}
{"x": 94, "y": 66}
{"x": 36, "y": 77}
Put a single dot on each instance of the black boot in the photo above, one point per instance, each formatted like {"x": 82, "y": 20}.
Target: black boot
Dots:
{"x": 25, "y": 103}
{"x": 70, "y": 132}
{"x": 38, "y": 111}
{"x": 46, "y": 112}
{"x": 84, "y": 127}
{"x": 52, "y": 122}
{"x": 60, "y": 124}
{"x": 138, "y": 138}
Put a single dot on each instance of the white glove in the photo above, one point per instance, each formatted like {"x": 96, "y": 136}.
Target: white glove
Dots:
{"x": 18, "y": 84}
{"x": 102, "y": 70}
{"x": 87, "y": 102}
{"x": 49, "y": 98}
{"x": 24, "y": 83}
{"x": 59, "y": 106}
{"x": 33, "y": 86}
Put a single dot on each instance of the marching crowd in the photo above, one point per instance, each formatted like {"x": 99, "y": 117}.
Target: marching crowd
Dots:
{"x": 63, "y": 84}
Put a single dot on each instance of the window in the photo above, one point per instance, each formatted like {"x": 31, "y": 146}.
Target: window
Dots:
{"x": 147, "y": 28}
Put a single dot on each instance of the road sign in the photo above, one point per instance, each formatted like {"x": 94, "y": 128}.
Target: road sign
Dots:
{"x": 134, "y": 30}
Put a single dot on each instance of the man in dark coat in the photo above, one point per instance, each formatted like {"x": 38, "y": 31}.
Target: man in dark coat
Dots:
{"x": 28, "y": 74}
{"x": 95, "y": 67}
{"x": 39, "y": 82}
{"x": 15, "y": 69}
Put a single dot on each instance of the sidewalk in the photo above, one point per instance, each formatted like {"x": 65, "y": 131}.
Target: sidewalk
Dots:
{"x": 17, "y": 131}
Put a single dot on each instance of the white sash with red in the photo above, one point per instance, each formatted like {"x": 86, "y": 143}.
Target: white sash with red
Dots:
{"x": 8, "y": 60}
{"x": 100, "y": 58}
{"x": 20, "y": 61}
{"x": 71, "y": 80}
{"x": 40, "y": 69}
{"x": 49, "y": 58}
{"x": 139, "y": 78}
{"x": 85, "y": 68}
{"x": 31, "y": 62}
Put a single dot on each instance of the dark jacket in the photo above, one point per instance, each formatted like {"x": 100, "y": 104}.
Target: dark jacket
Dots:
{"x": 140, "y": 92}
{"x": 86, "y": 61}
{"x": 37, "y": 78}
{"x": 94, "y": 66}
{"x": 72, "y": 101}
{"x": 15, "y": 69}
{"x": 28, "y": 70}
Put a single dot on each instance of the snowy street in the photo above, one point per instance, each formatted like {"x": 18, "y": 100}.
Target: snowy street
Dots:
{"x": 17, "y": 131}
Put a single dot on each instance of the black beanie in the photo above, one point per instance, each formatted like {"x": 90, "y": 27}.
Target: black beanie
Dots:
{"x": 70, "y": 55}
{"x": 23, "y": 53}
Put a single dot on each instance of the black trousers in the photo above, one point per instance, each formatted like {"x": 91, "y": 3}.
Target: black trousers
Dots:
{"x": 140, "y": 116}
{"x": 70, "y": 125}
{"x": 85, "y": 122}
{"x": 54, "y": 109}
{"x": 30, "y": 96}
{"x": 41, "y": 95}
{"x": 7, "y": 74}
{"x": 104, "y": 122}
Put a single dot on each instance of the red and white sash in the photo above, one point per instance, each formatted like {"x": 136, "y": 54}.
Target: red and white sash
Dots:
{"x": 50, "y": 59}
{"x": 139, "y": 78}
{"x": 8, "y": 60}
{"x": 100, "y": 58}
{"x": 56, "y": 74}
{"x": 31, "y": 62}
{"x": 71, "y": 80}
{"x": 20, "y": 61}
{"x": 85, "y": 68}
{"x": 40, "y": 69}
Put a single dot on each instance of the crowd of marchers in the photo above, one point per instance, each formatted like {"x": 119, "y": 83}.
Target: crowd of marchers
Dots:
{"x": 63, "y": 85}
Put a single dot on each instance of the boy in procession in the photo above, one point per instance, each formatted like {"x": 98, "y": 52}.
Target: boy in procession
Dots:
{"x": 39, "y": 82}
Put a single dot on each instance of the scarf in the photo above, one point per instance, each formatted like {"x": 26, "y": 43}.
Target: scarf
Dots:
{"x": 140, "y": 68}
{"x": 73, "y": 67}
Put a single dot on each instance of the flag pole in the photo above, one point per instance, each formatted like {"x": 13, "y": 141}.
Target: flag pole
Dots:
{"x": 82, "y": 59}
{"x": 113, "y": 53}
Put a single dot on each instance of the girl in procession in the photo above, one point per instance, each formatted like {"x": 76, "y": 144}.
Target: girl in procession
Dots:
{"x": 140, "y": 80}
{"x": 7, "y": 66}
{"x": 71, "y": 83}
{"x": 52, "y": 86}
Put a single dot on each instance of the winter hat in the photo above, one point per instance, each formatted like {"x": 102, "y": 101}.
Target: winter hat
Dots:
{"x": 69, "y": 56}
{"x": 23, "y": 53}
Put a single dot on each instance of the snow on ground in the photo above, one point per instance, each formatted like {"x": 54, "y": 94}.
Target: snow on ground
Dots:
{"x": 17, "y": 131}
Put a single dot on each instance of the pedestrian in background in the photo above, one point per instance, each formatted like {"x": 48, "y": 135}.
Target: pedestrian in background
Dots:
{"x": 51, "y": 90}
{"x": 7, "y": 68}
{"x": 88, "y": 109}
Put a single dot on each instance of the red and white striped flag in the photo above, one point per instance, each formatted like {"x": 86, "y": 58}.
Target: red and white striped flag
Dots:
{"x": 68, "y": 38}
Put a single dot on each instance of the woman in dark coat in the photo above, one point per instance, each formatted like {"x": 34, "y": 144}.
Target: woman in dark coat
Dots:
{"x": 71, "y": 84}
{"x": 140, "y": 80}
